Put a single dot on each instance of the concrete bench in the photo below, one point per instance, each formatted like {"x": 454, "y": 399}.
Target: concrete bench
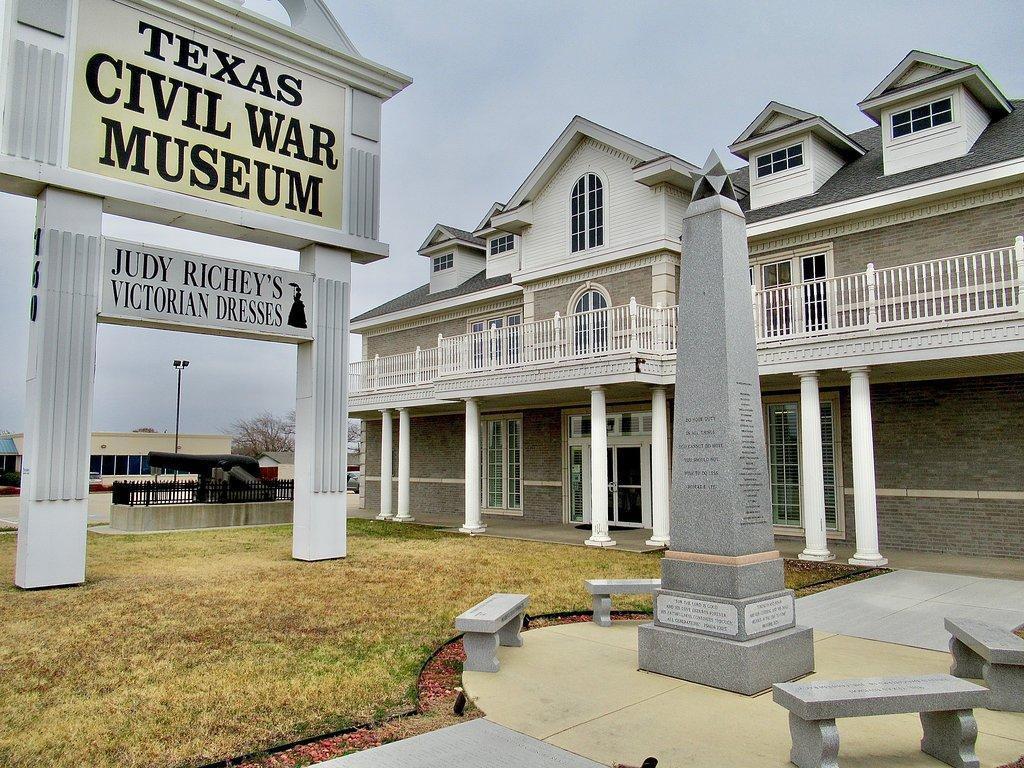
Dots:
{"x": 945, "y": 703}
{"x": 498, "y": 619}
{"x": 603, "y": 589}
{"x": 983, "y": 650}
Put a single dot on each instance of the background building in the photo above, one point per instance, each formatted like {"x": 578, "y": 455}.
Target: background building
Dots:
{"x": 125, "y": 455}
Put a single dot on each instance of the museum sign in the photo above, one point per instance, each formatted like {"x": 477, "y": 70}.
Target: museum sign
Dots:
{"x": 158, "y": 104}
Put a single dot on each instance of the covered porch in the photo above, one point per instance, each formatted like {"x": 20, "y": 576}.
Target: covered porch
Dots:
{"x": 519, "y": 459}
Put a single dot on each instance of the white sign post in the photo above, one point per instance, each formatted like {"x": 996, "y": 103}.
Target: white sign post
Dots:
{"x": 201, "y": 115}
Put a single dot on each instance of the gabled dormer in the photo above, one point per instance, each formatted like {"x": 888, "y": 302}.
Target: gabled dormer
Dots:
{"x": 932, "y": 108}
{"x": 502, "y": 247}
{"x": 791, "y": 153}
{"x": 455, "y": 256}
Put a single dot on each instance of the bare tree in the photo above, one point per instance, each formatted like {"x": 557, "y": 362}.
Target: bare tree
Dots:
{"x": 355, "y": 431}
{"x": 263, "y": 434}
{"x": 148, "y": 430}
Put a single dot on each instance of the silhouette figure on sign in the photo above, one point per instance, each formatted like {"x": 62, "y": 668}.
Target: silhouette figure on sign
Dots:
{"x": 297, "y": 315}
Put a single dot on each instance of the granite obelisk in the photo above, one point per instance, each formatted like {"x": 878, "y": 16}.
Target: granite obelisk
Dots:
{"x": 723, "y": 616}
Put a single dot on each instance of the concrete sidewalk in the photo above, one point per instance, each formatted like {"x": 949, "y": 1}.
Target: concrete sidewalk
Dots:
{"x": 99, "y": 509}
{"x": 576, "y": 686}
{"x": 908, "y": 607}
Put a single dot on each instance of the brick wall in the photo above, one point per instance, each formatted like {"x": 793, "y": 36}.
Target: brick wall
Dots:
{"x": 621, "y": 287}
{"x": 542, "y": 461}
{"x": 436, "y": 452}
{"x": 425, "y": 336}
{"x": 983, "y": 527}
{"x": 949, "y": 435}
{"x": 974, "y": 229}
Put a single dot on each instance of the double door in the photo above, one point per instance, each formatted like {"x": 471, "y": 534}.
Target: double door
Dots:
{"x": 804, "y": 310}
{"x": 629, "y": 472}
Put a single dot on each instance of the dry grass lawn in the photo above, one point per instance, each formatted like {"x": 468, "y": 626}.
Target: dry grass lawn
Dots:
{"x": 182, "y": 649}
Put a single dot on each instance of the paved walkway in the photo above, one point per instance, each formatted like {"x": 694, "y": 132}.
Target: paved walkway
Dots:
{"x": 908, "y": 607}
{"x": 99, "y": 509}
{"x": 576, "y": 686}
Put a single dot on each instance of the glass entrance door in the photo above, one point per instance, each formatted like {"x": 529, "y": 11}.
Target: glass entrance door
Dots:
{"x": 625, "y": 485}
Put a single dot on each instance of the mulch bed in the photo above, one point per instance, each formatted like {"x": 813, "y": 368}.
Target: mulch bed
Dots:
{"x": 437, "y": 690}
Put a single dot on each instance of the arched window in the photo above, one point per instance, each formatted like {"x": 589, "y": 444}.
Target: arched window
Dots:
{"x": 587, "y": 213}
{"x": 589, "y": 300}
{"x": 590, "y": 323}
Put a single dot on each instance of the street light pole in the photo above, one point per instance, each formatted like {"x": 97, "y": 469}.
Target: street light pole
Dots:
{"x": 179, "y": 365}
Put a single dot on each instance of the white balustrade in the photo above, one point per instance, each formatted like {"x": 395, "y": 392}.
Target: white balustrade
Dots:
{"x": 969, "y": 285}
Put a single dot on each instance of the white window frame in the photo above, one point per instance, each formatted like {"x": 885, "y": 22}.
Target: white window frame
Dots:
{"x": 501, "y": 244}
{"x": 802, "y": 165}
{"x": 795, "y": 256}
{"x": 443, "y": 262}
{"x": 588, "y": 245}
{"x": 933, "y": 128}
{"x": 837, "y": 446}
{"x": 504, "y": 507}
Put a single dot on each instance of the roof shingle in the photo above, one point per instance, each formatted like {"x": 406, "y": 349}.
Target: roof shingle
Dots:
{"x": 422, "y": 295}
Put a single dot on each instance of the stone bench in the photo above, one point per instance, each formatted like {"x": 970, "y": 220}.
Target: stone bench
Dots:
{"x": 498, "y": 619}
{"x": 603, "y": 589}
{"x": 983, "y": 650}
{"x": 945, "y": 703}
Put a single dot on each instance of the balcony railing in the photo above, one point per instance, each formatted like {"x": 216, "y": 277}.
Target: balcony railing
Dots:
{"x": 966, "y": 286}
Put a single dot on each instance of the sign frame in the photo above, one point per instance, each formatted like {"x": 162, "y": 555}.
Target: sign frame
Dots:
{"x": 26, "y": 169}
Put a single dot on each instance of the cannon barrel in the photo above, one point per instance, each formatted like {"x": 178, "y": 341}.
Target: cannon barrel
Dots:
{"x": 203, "y": 465}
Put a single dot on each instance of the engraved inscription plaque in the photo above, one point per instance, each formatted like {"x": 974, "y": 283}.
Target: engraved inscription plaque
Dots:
{"x": 699, "y": 615}
{"x": 774, "y": 613}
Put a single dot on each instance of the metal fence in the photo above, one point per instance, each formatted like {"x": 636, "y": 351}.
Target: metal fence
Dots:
{"x": 148, "y": 493}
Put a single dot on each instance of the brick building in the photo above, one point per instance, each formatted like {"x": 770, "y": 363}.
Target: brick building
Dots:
{"x": 887, "y": 273}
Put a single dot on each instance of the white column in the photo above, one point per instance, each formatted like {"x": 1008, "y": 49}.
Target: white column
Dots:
{"x": 59, "y": 387}
{"x": 812, "y": 473}
{"x": 403, "y": 515}
{"x": 863, "y": 446}
{"x": 473, "y": 522}
{"x": 385, "y": 466}
{"x": 598, "y": 471}
{"x": 321, "y": 411}
{"x": 659, "y": 468}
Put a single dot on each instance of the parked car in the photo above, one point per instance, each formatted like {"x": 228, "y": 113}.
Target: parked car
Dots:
{"x": 353, "y": 481}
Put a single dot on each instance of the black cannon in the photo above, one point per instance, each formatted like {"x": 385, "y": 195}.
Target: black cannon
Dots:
{"x": 221, "y": 479}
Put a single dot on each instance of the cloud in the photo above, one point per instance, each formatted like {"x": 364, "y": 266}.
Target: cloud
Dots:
{"x": 495, "y": 83}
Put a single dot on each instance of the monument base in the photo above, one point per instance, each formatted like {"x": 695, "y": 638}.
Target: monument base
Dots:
{"x": 746, "y": 667}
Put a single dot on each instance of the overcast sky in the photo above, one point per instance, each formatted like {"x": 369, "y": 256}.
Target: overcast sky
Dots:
{"x": 494, "y": 85}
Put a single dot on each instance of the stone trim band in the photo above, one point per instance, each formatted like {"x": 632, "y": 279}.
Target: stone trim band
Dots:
{"x": 698, "y": 557}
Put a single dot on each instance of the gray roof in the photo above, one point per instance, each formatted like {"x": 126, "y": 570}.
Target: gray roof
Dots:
{"x": 422, "y": 295}
{"x": 462, "y": 234}
{"x": 1002, "y": 140}
{"x": 281, "y": 457}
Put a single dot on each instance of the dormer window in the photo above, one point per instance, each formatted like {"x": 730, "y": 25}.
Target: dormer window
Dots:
{"x": 780, "y": 160}
{"x": 443, "y": 262}
{"x": 922, "y": 118}
{"x": 502, "y": 243}
{"x": 587, "y": 220}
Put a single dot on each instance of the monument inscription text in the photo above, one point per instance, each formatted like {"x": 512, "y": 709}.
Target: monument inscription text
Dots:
{"x": 774, "y": 613}
{"x": 700, "y": 615}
